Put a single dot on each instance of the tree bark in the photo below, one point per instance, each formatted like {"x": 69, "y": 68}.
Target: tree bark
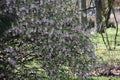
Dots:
{"x": 98, "y": 4}
{"x": 83, "y": 14}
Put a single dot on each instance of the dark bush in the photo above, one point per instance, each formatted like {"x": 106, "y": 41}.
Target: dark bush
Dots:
{"x": 42, "y": 45}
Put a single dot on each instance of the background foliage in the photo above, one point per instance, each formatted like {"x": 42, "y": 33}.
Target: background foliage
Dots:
{"x": 46, "y": 43}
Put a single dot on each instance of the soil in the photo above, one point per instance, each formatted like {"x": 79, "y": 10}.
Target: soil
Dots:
{"x": 106, "y": 71}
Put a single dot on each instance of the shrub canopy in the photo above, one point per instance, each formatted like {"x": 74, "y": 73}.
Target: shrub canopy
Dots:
{"x": 46, "y": 41}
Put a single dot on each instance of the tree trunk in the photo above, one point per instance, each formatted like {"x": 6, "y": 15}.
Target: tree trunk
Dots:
{"x": 83, "y": 14}
{"x": 98, "y": 4}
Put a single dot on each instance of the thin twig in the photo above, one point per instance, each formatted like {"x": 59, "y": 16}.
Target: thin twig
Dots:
{"x": 116, "y": 28}
{"x": 88, "y": 8}
{"x": 104, "y": 40}
{"x": 108, "y": 42}
{"x": 103, "y": 37}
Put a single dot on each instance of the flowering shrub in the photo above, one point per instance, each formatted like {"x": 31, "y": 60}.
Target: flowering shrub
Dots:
{"x": 47, "y": 40}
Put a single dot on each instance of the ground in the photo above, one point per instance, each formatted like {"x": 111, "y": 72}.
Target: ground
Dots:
{"x": 109, "y": 60}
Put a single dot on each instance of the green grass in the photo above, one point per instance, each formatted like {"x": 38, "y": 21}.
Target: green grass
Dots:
{"x": 102, "y": 52}
{"x": 105, "y": 56}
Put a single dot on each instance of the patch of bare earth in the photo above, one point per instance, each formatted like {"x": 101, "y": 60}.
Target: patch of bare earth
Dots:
{"x": 106, "y": 71}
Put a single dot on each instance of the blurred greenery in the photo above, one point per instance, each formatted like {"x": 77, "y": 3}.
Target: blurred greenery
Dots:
{"x": 46, "y": 43}
{"x": 102, "y": 52}
{"x": 6, "y": 21}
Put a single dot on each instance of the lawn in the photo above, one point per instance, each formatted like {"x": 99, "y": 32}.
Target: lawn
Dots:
{"x": 100, "y": 49}
{"x": 104, "y": 78}
{"x": 107, "y": 58}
